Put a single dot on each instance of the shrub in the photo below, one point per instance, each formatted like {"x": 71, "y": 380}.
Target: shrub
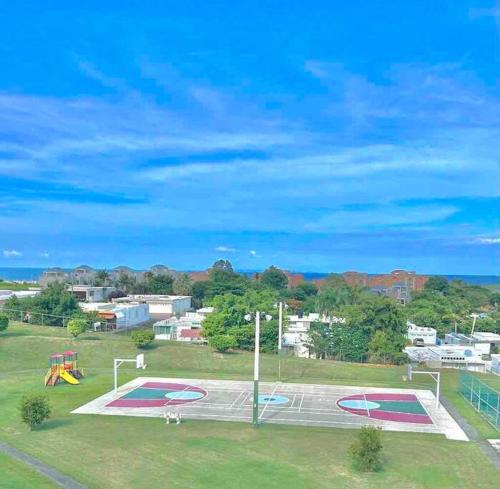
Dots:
{"x": 35, "y": 409}
{"x": 77, "y": 326}
{"x": 222, "y": 342}
{"x": 4, "y": 322}
{"x": 366, "y": 451}
{"x": 142, "y": 338}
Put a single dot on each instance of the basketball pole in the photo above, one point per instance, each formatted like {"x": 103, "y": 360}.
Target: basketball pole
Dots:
{"x": 280, "y": 337}
{"x": 255, "y": 417}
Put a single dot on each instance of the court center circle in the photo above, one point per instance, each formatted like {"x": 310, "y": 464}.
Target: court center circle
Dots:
{"x": 274, "y": 399}
{"x": 184, "y": 395}
{"x": 358, "y": 404}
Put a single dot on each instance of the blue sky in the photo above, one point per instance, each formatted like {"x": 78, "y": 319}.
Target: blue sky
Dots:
{"x": 316, "y": 136}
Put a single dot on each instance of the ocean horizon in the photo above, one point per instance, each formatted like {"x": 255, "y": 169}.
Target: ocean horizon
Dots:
{"x": 33, "y": 274}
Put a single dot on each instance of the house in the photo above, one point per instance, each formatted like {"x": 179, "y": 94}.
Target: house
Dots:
{"x": 160, "y": 306}
{"x": 53, "y": 275}
{"x": 447, "y": 356}
{"x": 89, "y": 293}
{"x": 185, "y": 328}
{"x": 427, "y": 335}
{"x": 296, "y": 336}
{"x": 118, "y": 316}
{"x": 482, "y": 341}
{"x": 495, "y": 364}
{"x": 83, "y": 275}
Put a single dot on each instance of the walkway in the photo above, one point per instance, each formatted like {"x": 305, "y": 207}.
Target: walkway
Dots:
{"x": 53, "y": 474}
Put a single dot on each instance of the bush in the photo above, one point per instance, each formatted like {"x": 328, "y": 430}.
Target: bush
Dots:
{"x": 34, "y": 409}
{"x": 142, "y": 338}
{"x": 4, "y": 322}
{"x": 77, "y": 326}
{"x": 222, "y": 342}
{"x": 366, "y": 451}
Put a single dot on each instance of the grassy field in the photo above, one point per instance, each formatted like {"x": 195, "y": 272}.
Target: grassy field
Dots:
{"x": 16, "y": 475}
{"x": 117, "y": 452}
{"x": 4, "y": 285}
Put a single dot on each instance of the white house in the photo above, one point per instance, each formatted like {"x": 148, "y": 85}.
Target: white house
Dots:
{"x": 119, "y": 316}
{"x": 90, "y": 293}
{"x": 414, "y": 332}
{"x": 185, "y": 328}
{"x": 481, "y": 341}
{"x": 447, "y": 356}
{"x": 160, "y": 306}
{"x": 495, "y": 364}
{"x": 296, "y": 336}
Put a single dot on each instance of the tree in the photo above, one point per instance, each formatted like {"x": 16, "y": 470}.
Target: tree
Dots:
{"x": 366, "y": 451}
{"x": 101, "y": 278}
{"x": 438, "y": 284}
{"x": 142, "y": 338}
{"x": 222, "y": 342}
{"x": 224, "y": 265}
{"x": 34, "y": 409}
{"x": 274, "y": 278}
{"x": 182, "y": 284}
{"x": 77, "y": 326}
{"x": 329, "y": 301}
{"x": 50, "y": 307}
{"x": 4, "y": 322}
{"x": 385, "y": 347}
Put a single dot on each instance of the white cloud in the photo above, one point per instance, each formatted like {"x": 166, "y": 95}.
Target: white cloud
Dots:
{"x": 488, "y": 241}
{"x": 44, "y": 254}
{"x": 226, "y": 249}
{"x": 11, "y": 253}
{"x": 253, "y": 253}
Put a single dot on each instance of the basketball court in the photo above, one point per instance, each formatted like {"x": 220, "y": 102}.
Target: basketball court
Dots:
{"x": 293, "y": 404}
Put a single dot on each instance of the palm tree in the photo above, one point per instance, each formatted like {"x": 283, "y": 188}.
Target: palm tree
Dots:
{"x": 102, "y": 277}
{"x": 452, "y": 318}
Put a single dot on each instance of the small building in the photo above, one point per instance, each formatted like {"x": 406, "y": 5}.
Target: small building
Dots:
{"x": 89, "y": 293}
{"x": 447, "y": 356}
{"x": 483, "y": 341}
{"x": 296, "y": 336}
{"x": 83, "y": 275}
{"x": 495, "y": 364}
{"x": 160, "y": 306}
{"x": 52, "y": 275}
{"x": 416, "y": 333}
{"x": 173, "y": 328}
{"x": 119, "y": 316}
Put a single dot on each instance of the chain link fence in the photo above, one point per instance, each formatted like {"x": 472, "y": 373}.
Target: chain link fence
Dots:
{"x": 483, "y": 398}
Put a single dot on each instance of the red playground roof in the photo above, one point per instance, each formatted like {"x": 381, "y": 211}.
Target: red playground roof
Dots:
{"x": 69, "y": 352}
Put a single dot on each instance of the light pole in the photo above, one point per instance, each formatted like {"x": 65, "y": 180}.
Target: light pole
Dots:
{"x": 280, "y": 337}
{"x": 255, "y": 411}
{"x": 256, "y": 363}
{"x": 474, "y": 316}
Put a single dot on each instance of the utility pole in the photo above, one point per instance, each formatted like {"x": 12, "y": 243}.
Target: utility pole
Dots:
{"x": 280, "y": 337}
{"x": 255, "y": 417}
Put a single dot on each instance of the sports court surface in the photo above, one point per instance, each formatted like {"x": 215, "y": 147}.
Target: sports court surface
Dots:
{"x": 294, "y": 404}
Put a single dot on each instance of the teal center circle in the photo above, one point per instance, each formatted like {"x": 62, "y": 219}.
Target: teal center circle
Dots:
{"x": 184, "y": 395}
{"x": 358, "y": 404}
{"x": 273, "y": 399}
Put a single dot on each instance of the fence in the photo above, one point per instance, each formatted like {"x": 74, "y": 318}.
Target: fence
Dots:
{"x": 483, "y": 398}
{"x": 44, "y": 319}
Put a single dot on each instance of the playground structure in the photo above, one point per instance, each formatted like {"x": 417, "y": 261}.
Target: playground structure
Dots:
{"x": 64, "y": 367}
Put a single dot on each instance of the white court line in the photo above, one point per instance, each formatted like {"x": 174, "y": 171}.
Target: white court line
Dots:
{"x": 301, "y": 401}
{"x": 236, "y": 400}
{"x": 244, "y": 400}
{"x": 268, "y": 401}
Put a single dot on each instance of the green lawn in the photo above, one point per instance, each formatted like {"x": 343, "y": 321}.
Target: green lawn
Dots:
{"x": 16, "y": 475}
{"x": 4, "y": 285}
{"x": 118, "y": 452}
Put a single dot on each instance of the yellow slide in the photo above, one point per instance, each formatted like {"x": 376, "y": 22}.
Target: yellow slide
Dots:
{"x": 68, "y": 377}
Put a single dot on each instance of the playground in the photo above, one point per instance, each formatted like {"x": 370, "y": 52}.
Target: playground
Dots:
{"x": 292, "y": 404}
